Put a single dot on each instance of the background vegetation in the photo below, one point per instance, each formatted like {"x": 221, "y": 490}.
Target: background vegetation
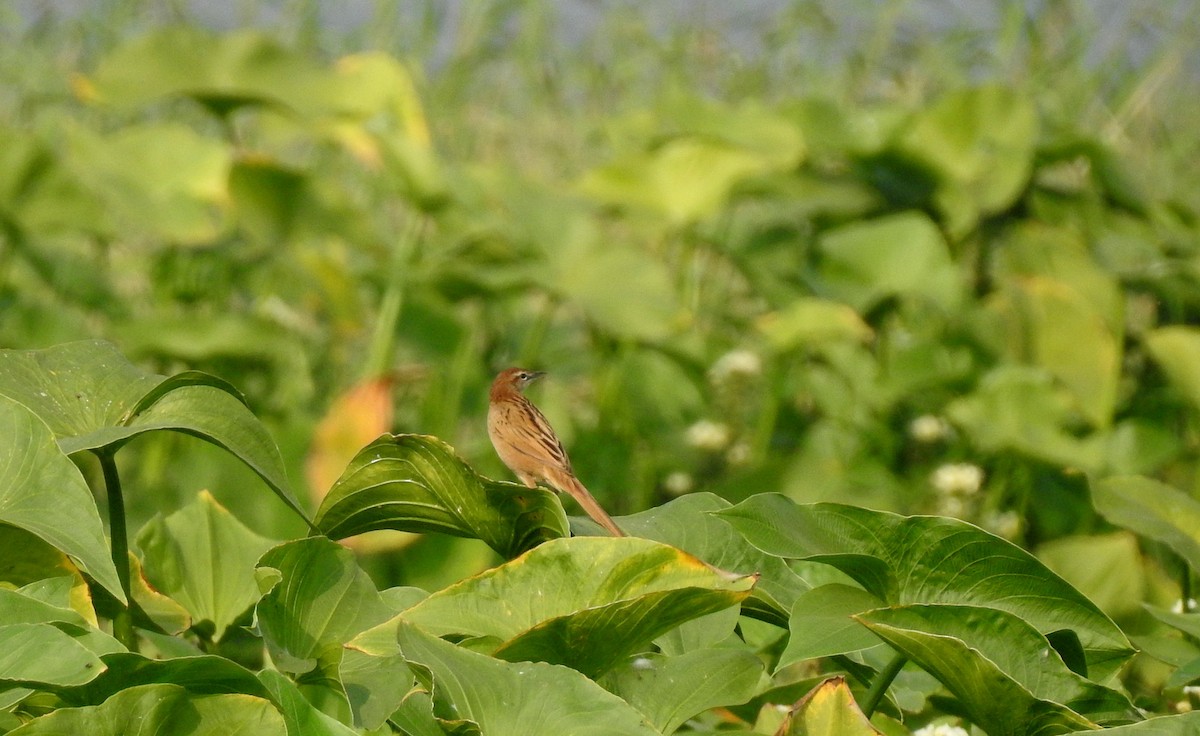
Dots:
{"x": 882, "y": 254}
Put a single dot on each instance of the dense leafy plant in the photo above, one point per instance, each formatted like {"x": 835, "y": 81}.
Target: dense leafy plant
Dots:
{"x": 962, "y": 300}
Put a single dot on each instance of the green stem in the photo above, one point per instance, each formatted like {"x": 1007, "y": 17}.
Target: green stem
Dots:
{"x": 1185, "y": 586}
{"x": 123, "y": 622}
{"x": 882, "y": 682}
{"x": 379, "y": 358}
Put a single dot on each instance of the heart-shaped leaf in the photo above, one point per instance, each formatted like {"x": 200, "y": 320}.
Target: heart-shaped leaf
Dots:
{"x": 924, "y": 559}
{"x": 484, "y": 695}
{"x": 822, "y": 623}
{"x": 417, "y": 483}
{"x": 829, "y": 708}
{"x": 685, "y": 523}
{"x": 92, "y": 398}
{"x": 961, "y": 634}
{"x": 42, "y": 492}
{"x": 316, "y": 598}
{"x": 204, "y": 558}
{"x": 160, "y": 709}
{"x": 1154, "y": 510}
{"x": 670, "y": 690}
{"x": 610, "y": 598}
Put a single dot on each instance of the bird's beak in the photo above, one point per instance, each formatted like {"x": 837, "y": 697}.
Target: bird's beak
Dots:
{"x": 535, "y": 375}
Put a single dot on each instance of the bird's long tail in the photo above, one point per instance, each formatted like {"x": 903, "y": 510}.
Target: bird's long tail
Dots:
{"x": 576, "y": 490}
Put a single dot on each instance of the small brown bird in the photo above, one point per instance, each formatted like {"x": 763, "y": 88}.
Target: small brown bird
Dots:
{"x": 527, "y": 444}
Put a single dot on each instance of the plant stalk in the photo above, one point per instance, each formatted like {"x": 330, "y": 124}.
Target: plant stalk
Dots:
{"x": 123, "y": 622}
{"x": 881, "y": 684}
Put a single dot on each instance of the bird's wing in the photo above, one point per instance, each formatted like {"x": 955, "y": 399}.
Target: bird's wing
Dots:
{"x": 543, "y": 445}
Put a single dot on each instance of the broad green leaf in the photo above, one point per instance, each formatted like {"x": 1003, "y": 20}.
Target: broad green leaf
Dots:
{"x": 671, "y": 690}
{"x": 92, "y": 398}
{"x": 221, "y": 72}
{"x": 1019, "y": 408}
{"x": 904, "y": 254}
{"x": 808, "y": 322}
{"x": 687, "y": 524}
{"x": 1059, "y": 329}
{"x": 162, "y": 612}
{"x": 301, "y": 717}
{"x": 980, "y": 142}
{"x": 1107, "y": 568}
{"x": 954, "y": 635}
{"x": 1188, "y": 623}
{"x": 42, "y": 492}
{"x": 151, "y": 710}
{"x": 39, "y": 653}
{"x": 927, "y": 559}
{"x": 1152, "y": 509}
{"x": 18, "y": 607}
{"x": 514, "y": 698}
{"x": 1184, "y": 724}
{"x": 201, "y": 674}
{"x": 586, "y": 602}
{"x": 685, "y": 179}
{"x": 992, "y": 698}
{"x": 1176, "y": 348}
{"x": 822, "y": 624}
{"x": 174, "y": 192}
{"x": 645, "y": 307}
{"x": 376, "y": 683}
{"x": 828, "y": 710}
{"x": 315, "y": 598}
{"x": 417, "y": 483}
{"x": 204, "y": 558}
{"x": 43, "y": 572}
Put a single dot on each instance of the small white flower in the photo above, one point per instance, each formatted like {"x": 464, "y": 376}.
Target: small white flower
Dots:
{"x": 951, "y": 506}
{"x": 1191, "y": 690}
{"x": 940, "y": 729}
{"x": 1005, "y": 524}
{"x": 678, "y": 483}
{"x": 642, "y": 663}
{"x": 735, "y": 364}
{"x": 739, "y": 454}
{"x": 1177, "y": 607}
{"x": 928, "y": 428}
{"x": 708, "y": 435}
{"x": 958, "y": 478}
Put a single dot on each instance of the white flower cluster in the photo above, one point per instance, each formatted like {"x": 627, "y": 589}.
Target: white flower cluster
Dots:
{"x": 708, "y": 435}
{"x": 733, "y": 365}
{"x": 941, "y": 729}
{"x": 928, "y": 429}
{"x": 958, "y": 479}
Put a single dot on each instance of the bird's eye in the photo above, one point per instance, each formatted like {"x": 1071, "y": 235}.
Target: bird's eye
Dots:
{"x": 523, "y": 376}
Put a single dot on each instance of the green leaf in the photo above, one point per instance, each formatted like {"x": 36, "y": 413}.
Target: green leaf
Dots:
{"x": 174, "y": 192}
{"x": 1184, "y": 724}
{"x": 19, "y": 607}
{"x": 828, "y": 710}
{"x": 160, "y": 709}
{"x": 897, "y": 255}
{"x": 671, "y": 690}
{"x": 959, "y": 634}
{"x": 809, "y": 322}
{"x": 92, "y": 398}
{"x": 685, "y": 179}
{"x": 980, "y": 142}
{"x": 376, "y": 684}
{"x": 1152, "y": 509}
{"x": 200, "y": 674}
{"x": 203, "y": 557}
{"x": 41, "y": 654}
{"x": 513, "y": 699}
{"x": 586, "y": 602}
{"x": 822, "y": 624}
{"x": 316, "y": 598}
{"x": 992, "y": 698}
{"x": 1107, "y": 568}
{"x": 42, "y": 492}
{"x": 687, "y": 524}
{"x": 925, "y": 559}
{"x": 301, "y": 717}
{"x": 1019, "y": 408}
{"x": 1060, "y": 329}
{"x": 417, "y": 483}
{"x": 1176, "y": 348}
{"x": 646, "y": 307}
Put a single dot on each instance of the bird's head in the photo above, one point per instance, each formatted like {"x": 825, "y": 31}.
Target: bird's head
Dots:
{"x": 516, "y": 378}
